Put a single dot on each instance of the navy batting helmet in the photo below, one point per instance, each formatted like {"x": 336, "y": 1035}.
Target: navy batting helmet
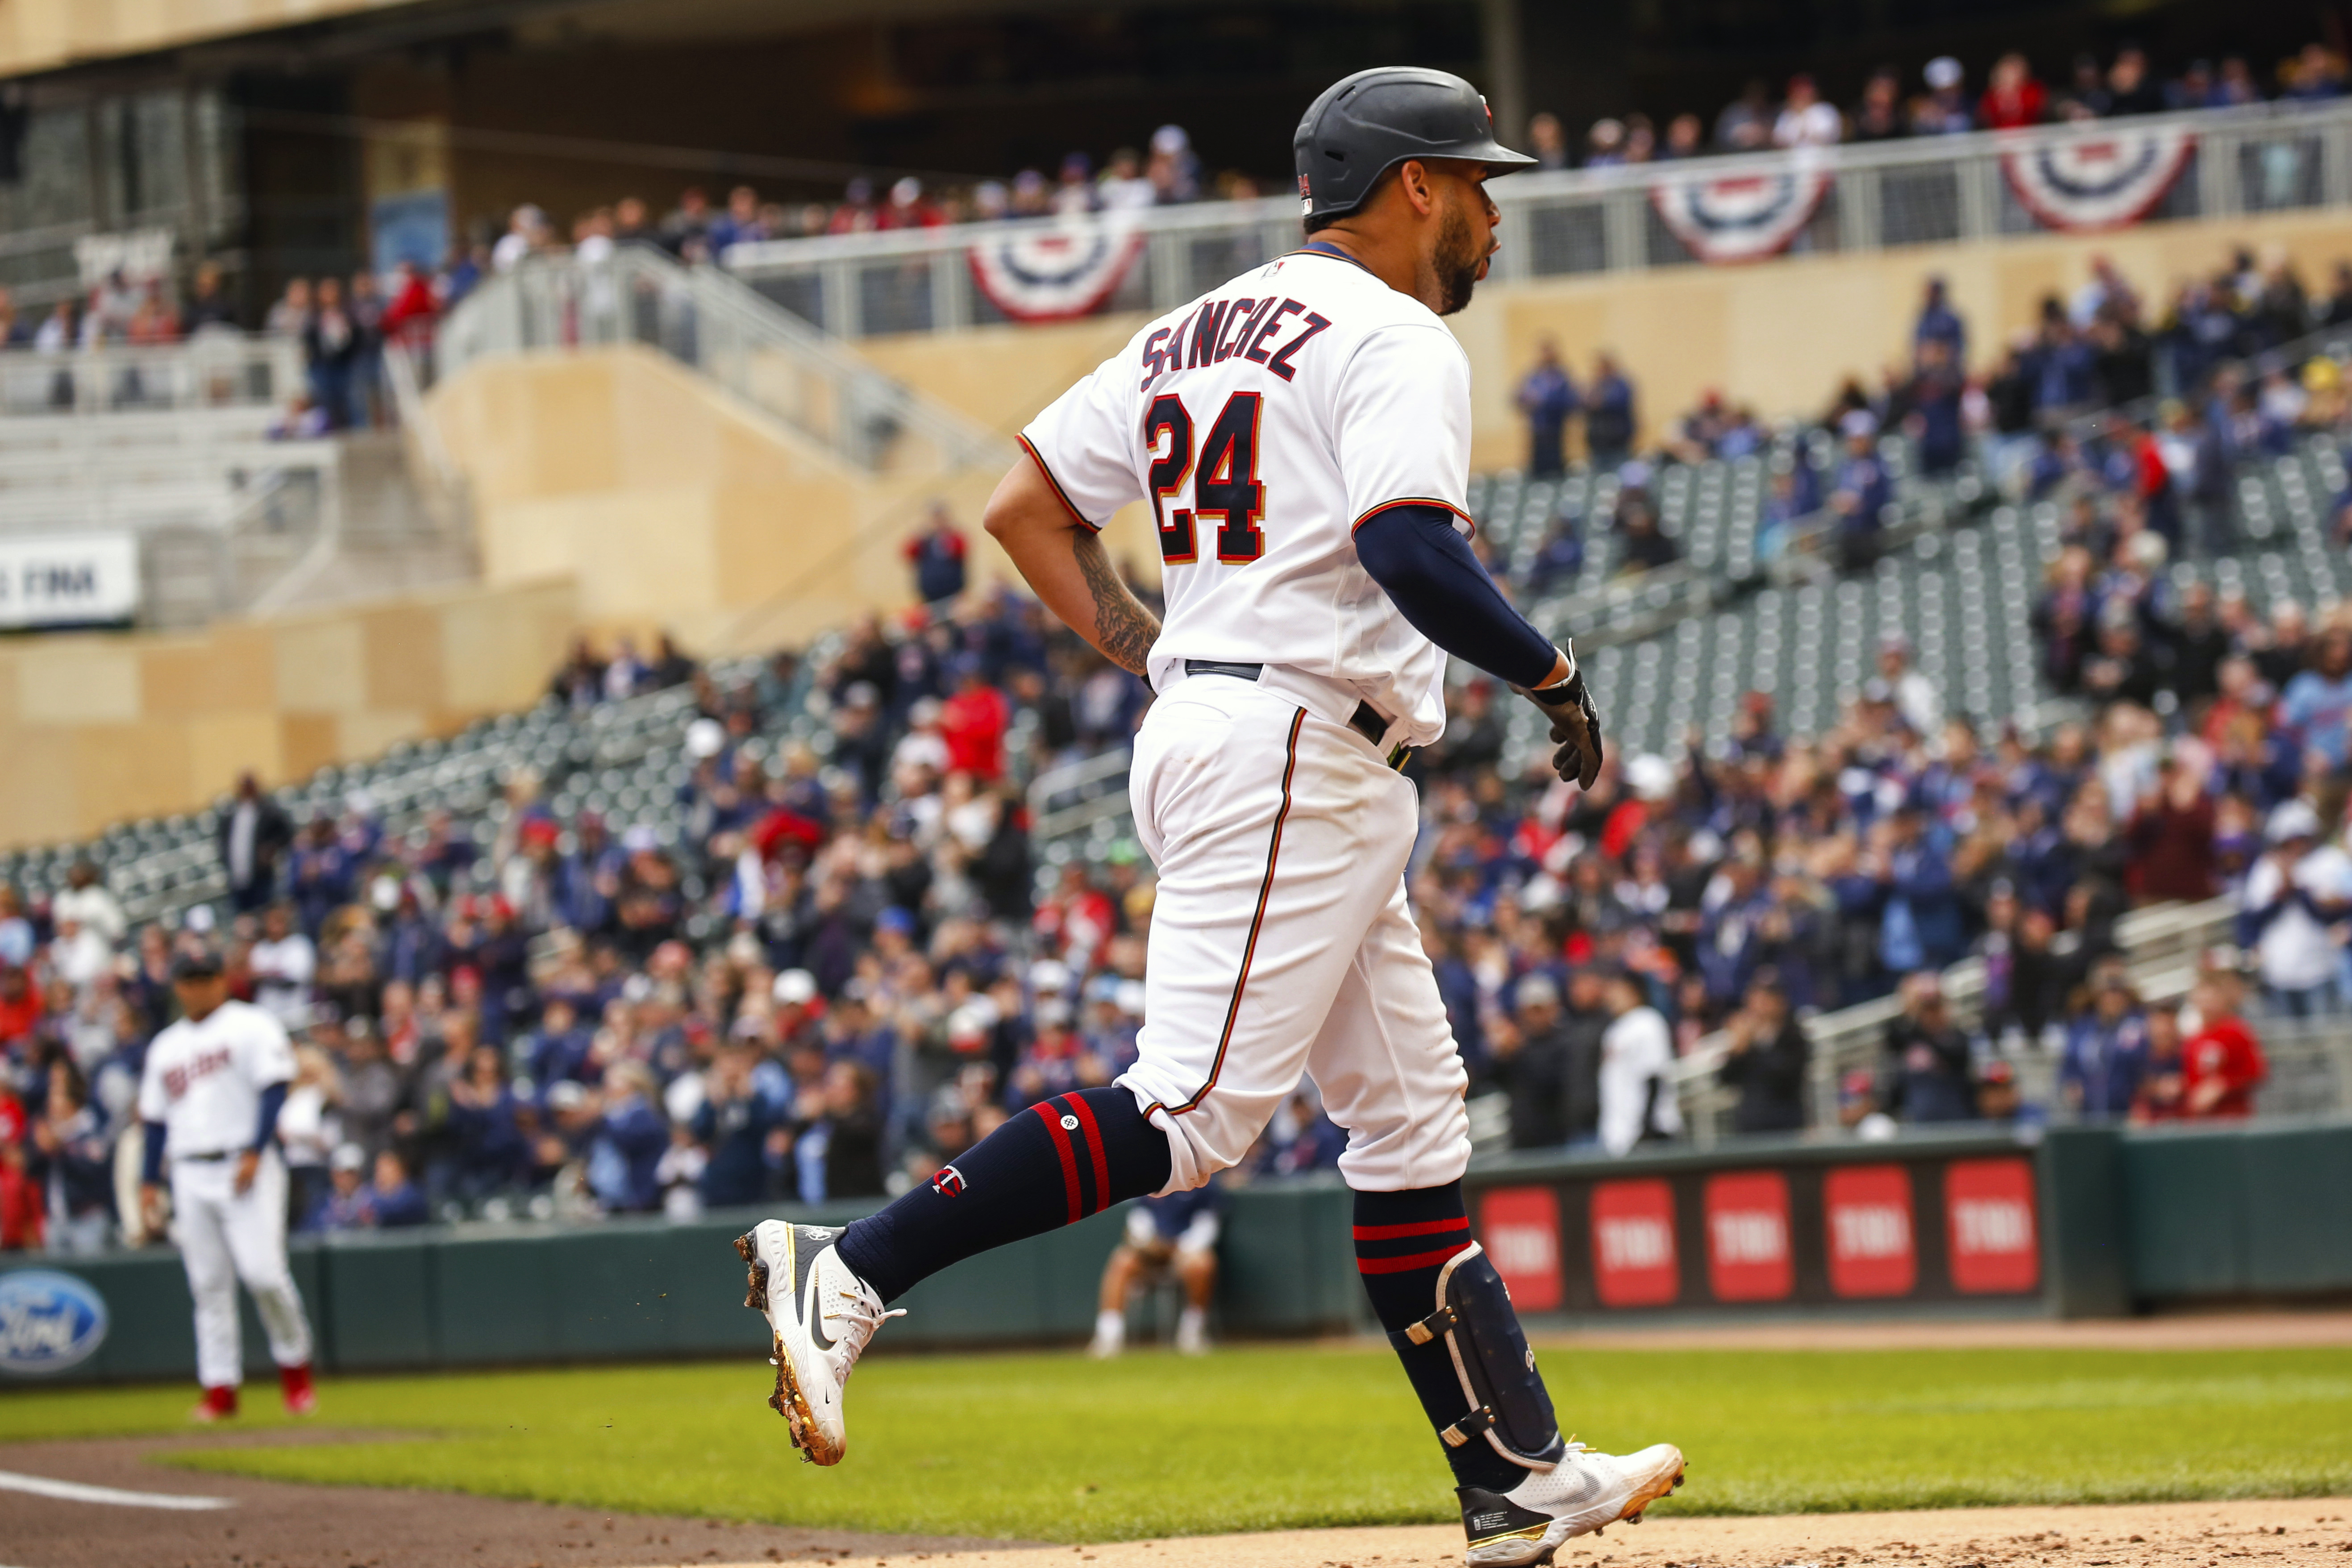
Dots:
{"x": 1364, "y": 125}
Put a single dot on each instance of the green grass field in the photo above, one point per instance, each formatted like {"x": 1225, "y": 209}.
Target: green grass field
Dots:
{"x": 1055, "y": 1448}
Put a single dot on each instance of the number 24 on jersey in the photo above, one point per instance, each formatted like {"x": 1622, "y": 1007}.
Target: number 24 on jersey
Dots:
{"x": 1223, "y": 478}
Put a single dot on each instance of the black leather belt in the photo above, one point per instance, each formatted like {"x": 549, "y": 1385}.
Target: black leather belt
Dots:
{"x": 205, "y": 1159}
{"x": 1365, "y": 721}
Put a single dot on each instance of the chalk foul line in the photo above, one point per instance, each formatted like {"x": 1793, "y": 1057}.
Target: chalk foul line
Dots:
{"x": 75, "y": 1492}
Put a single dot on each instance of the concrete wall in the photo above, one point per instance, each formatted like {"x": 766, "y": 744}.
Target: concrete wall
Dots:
{"x": 1779, "y": 335}
{"x": 101, "y": 726}
{"x": 41, "y": 34}
{"x": 672, "y": 505}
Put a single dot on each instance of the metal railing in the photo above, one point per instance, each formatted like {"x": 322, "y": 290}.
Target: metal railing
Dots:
{"x": 1068, "y": 802}
{"x": 716, "y": 324}
{"x": 2160, "y": 945}
{"x": 1925, "y": 191}
{"x": 215, "y": 369}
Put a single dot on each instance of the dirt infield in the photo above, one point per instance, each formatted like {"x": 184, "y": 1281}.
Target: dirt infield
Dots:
{"x": 2179, "y": 1535}
{"x": 282, "y": 1525}
{"x": 273, "y": 1524}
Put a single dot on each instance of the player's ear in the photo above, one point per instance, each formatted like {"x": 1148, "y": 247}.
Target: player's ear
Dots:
{"x": 1414, "y": 184}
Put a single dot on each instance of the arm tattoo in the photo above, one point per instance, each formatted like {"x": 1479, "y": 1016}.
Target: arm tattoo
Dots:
{"x": 1124, "y": 629}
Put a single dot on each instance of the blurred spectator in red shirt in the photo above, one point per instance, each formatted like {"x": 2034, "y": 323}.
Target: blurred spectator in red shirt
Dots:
{"x": 408, "y": 320}
{"x": 972, "y": 723}
{"x": 2170, "y": 835}
{"x": 909, "y": 208}
{"x": 21, "y": 1196}
{"x": 856, "y": 215}
{"x": 2222, "y": 1062}
{"x": 2012, "y": 98}
{"x": 20, "y": 1005}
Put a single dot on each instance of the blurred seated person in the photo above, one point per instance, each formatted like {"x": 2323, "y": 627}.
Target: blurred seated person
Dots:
{"x": 1768, "y": 1056}
{"x": 2222, "y": 1062}
{"x": 2161, "y": 1085}
{"x": 1999, "y": 1101}
{"x": 393, "y": 1199}
{"x": 1927, "y": 1077}
{"x": 2107, "y": 1054}
{"x": 1178, "y": 1232}
{"x": 348, "y": 1204}
{"x": 1298, "y": 1138}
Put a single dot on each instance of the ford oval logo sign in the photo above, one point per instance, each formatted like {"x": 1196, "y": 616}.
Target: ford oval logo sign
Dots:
{"x": 48, "y": 1322}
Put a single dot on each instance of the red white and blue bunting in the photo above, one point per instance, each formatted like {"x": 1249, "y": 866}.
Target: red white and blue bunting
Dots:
{"x": 2102, "y": 176}
{"x": 1056, "y": 270}
{"x": 1740, "y": 218}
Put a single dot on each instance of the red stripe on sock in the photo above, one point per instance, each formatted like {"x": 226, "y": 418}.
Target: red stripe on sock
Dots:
{"x": 1402, "y": 1264}
{"x": 1046, "y": 1113}
{"x": 1085, "y": 1115}
{"x": 1424, "y": 1227}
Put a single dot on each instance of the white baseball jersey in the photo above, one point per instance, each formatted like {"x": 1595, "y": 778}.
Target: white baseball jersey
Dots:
{"x": 1265, "y": 421}
{"x": 203, "y": 1079}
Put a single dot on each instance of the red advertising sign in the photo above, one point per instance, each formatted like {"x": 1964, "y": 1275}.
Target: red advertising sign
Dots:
{"x": 1994, "y": 1244}
{"x": 1872, "y": 1251}
{"x": 1634, "y": 1262}
{"x": 1747, "y": 1257}
{"x": 1519, "y": 1227}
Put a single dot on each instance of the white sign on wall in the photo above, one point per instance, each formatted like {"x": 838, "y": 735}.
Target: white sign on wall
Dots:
{"x": 68, "y": 579}
{"x": 141, "y": 255}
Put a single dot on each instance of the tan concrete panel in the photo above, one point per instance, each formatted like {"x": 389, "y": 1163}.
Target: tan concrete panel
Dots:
{"x": 368, "y": 733}
{"x": 321, "y": 665}
{"x": 129, "y": 769}
{"x": 1001, "y": 375}
{"x": 223, "y": 747}
{"x": 39, "y": 791}
{"x": 499, "y": 650}
{"x": 307, "y": 743}
{"x": 79, "y": 679}
{"x": 40, "y": 34}
{"x": 402, "y": 655}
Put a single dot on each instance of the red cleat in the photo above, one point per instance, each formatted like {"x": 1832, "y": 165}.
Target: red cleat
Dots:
{"x": 217, "y": 1405}
{"x": 301, "y": 1399}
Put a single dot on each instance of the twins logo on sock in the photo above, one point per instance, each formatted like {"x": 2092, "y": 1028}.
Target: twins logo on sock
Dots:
{"x": 949, "y": 1182}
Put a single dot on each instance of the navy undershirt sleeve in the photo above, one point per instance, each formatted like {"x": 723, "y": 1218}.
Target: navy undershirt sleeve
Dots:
{"x": 273, "y": 1100}
{"x": 151, "y": 1159}
{"x": 1416, "y": 554}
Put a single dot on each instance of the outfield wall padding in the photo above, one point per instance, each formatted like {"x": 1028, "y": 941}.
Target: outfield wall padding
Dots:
{"x": 2074, "y": 1222}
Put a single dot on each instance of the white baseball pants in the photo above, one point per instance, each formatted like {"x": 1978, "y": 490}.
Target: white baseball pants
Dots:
{"x": 225, "y": 1238}
{"x": 1281, "y": 941}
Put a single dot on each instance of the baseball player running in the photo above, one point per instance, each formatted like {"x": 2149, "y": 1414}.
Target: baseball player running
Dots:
{"x": 214, "y": 1084}
{"x": 1303, "y": 437}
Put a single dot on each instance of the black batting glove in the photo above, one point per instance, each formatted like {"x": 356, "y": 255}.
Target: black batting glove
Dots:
{"x": 1575, "y": 727}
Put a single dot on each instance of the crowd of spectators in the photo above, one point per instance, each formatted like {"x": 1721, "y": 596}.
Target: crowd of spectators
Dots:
{"x": 826, "y": 969}
{"x": 2165, "y": 402}
{"x": 1942, "y": 101}
{"x": 827, "y": 966}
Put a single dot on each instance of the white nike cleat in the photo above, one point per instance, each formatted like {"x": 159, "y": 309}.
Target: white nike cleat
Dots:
{"x": 821, "y": 1315}
{"x": 1581, "y": 1495}
{"x": 1192, "y": 1332}
{"x": 1110, "y": 1336}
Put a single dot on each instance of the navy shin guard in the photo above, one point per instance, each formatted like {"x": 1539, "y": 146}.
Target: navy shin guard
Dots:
{"x": 1508, "y": 1405}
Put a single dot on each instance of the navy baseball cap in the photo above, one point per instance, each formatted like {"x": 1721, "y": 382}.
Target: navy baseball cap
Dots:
{"x": 196, "y": 963}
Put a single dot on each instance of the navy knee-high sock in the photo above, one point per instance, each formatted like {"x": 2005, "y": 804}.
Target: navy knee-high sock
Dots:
{"x": 1052, "y": 1165}
{"x": 1402, "y": 1239}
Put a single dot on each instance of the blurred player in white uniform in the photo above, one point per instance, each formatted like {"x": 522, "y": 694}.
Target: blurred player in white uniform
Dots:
{"x": 209, "y": 1099}
{"x": 1302, "y": 435}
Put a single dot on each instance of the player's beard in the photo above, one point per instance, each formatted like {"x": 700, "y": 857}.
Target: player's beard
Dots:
{"x": 1456, "y": 262}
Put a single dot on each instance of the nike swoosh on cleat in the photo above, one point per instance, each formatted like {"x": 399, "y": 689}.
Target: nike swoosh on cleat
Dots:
{"x": 813, "y": 1314}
